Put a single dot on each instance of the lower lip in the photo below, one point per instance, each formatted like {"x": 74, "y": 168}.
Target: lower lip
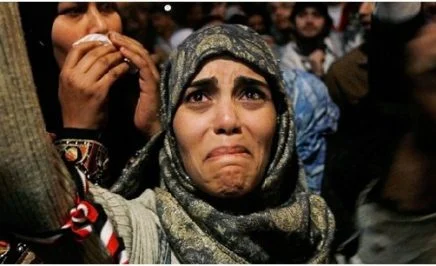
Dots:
{"x": 228, "y": 155}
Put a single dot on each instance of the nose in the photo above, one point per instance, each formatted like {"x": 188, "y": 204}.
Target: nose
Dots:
{"x": 97, "y": 21}
{"x": 227, "y": 119}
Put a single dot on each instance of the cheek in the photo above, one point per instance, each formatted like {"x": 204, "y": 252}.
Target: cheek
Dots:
{"x": 263, "y": 129}
{"x": 189, "y": 130}
{"x": 114, "y": 23}
{"x": 62, "y": 35}
{"x": 319, "y": 23}
{"x": 299, "y": 23}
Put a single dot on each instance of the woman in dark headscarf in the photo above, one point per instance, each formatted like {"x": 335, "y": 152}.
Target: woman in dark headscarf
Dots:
{"x": 232, "y": 188}
{"x": 72, "y": 99}
{"x": 51, "y": 30}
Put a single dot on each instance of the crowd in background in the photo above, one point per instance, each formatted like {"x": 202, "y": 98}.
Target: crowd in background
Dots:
{"x": 294, "y": 30}
{"x": 342, "y": 65}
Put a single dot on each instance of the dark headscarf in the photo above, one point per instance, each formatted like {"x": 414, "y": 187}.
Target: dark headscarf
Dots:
{"x": 279, "y": 222}
{"x": 37, "y": 21}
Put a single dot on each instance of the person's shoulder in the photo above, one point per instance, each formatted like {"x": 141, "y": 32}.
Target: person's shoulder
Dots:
{"x": 350, "y": 62}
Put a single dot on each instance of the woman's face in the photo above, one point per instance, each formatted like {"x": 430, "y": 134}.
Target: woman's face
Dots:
{"x": 224, "y": 128}
{"x": 75, "y": 20}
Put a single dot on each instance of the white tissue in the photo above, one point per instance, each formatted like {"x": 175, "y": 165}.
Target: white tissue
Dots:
{"x": 104, "y": 39}
{"x": 93, "y": 37}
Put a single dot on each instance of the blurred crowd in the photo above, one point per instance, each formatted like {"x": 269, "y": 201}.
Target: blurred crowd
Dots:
{"x": 308, "y": 36}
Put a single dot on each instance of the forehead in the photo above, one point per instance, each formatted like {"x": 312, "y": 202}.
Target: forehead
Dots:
{"x": 308, "y": 10}
{"x": 227, "y": 68}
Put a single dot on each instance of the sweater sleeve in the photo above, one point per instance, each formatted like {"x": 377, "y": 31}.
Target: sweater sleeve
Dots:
{"x": 136, "y": 223}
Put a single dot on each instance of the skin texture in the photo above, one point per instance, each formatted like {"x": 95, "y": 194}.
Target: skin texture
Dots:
{"x": 309, "y": 22}
{"x": 89, "y": 69}
{"x": 316, "y": 59}
{"x": 280, "y": 13}
{"x": 365, "y": 11}
{"x": 224, "y": 128}
{"x": 256, "y": 23}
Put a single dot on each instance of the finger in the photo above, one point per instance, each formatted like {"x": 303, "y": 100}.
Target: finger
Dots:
{"x": 104, "y": 63}
{"x": 142, "y": 61}
{"x": 112, "y": 75}
{"x": 136, "y": 47}
{"x": 77, "y": 52}
{"x": 128, "y": 43}
{"x": 121, "y": 40}
{"x": 152, "y": 66}
{"x": 93, "y": 56}
{"x": 137, "y": 59}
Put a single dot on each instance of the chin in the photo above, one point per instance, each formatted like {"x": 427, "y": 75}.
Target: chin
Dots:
{"x": 234, "y": 185}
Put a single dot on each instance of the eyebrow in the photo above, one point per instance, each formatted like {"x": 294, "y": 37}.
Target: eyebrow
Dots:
{"x": 243, "y": 80}
{"x": 212, "y": 81}
{"x": 239, "y": 81}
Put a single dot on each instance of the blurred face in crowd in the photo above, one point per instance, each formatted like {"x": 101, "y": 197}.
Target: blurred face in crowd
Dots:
{"x": 219, "y": 10}
{"x": 256, "y": 23}
{"x": 280, "y": 13}
{"x": 365, "y": 12}
{"x": 225, "y": 127}
{"x": 195, "y": 15}
{"x": 309, "y": 23}
{"x": 161, "y": 22}
{"x": 75, "y": 20}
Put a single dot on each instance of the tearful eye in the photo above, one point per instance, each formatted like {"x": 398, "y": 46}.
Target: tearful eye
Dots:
{"x": 252, "y": 94}
{"x": 196, "y": 96}
{"x": 72, "y": 10}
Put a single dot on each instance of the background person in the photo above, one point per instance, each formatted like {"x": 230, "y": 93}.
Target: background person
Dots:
{"x": 85, "y": 91}
{"x": 311, "y": 49}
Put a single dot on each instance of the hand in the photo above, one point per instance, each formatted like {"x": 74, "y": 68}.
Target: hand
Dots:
{"x": 147, "y": 109}
{"x": 316, "y": 59}
{"x": 89, "y": 71}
